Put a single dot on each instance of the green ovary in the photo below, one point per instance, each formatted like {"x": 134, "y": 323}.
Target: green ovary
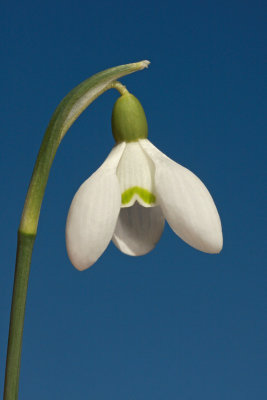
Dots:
{"x": 144, "y": 194}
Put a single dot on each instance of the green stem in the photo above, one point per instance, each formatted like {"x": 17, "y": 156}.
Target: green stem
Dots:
{"x": 65, "y": 114}
{"x": 23, "y": 260}
{"x": 121, "y": 88}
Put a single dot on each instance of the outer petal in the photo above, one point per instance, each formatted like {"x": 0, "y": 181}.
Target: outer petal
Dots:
{"x": 93, "y": 213}
{"x": 186, "y": 203}
{"x": 138, "y": 229}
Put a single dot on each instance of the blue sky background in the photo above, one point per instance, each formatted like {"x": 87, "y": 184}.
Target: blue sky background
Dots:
{"x": 177, "y": 323}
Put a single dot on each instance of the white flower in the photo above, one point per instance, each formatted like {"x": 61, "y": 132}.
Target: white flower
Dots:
{"x": 127, "y": 201}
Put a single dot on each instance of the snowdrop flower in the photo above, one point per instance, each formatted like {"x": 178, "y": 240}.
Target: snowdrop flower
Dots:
{"x": 129, "y": 197}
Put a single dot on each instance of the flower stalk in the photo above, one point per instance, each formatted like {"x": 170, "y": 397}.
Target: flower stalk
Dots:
{"x": 64, "y": 116}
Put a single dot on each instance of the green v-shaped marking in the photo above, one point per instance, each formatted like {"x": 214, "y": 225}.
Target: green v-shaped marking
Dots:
{"x": 144, "y": 194}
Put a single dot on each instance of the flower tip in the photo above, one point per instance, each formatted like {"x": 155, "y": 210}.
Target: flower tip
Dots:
{"x": 216, "y": 251}
{"x": 76, "y": 259}
{"x": 81, "y": 269}
{"x": 216, "y": 246}
{"x": 219, "y": 249}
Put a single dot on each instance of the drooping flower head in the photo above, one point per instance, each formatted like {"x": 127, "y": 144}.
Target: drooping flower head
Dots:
{"x": 136, "y": 189}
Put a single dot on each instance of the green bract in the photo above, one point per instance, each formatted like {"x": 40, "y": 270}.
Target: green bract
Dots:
{"x": 128, "y": 119}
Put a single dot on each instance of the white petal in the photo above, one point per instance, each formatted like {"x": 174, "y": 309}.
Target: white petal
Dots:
{"x": 93, "y": 213}
{"x": 138, "y": 229}
{"x": 136, "y": 176}
{"x": 185, "y": 202}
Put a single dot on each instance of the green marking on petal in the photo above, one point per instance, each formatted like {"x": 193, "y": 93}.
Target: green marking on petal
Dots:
{"x": 144, "y": 194}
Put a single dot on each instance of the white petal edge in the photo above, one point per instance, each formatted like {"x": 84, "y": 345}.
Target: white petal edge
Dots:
{"x": 138, "y": 229}
{"x": 94, "y": 212}
{"x": 186, "y": 202}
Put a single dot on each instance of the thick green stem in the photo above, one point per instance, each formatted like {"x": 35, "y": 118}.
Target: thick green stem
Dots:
{"x": 23, "y": 261}
{"x": 65, "y": 114}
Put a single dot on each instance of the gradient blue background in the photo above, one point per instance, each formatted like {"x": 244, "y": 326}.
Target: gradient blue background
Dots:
{"x": 177, "y": 323}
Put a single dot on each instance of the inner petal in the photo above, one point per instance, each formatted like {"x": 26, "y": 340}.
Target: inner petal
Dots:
{"x": 136, "y": 177}
{"x": 138, "y": 229}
